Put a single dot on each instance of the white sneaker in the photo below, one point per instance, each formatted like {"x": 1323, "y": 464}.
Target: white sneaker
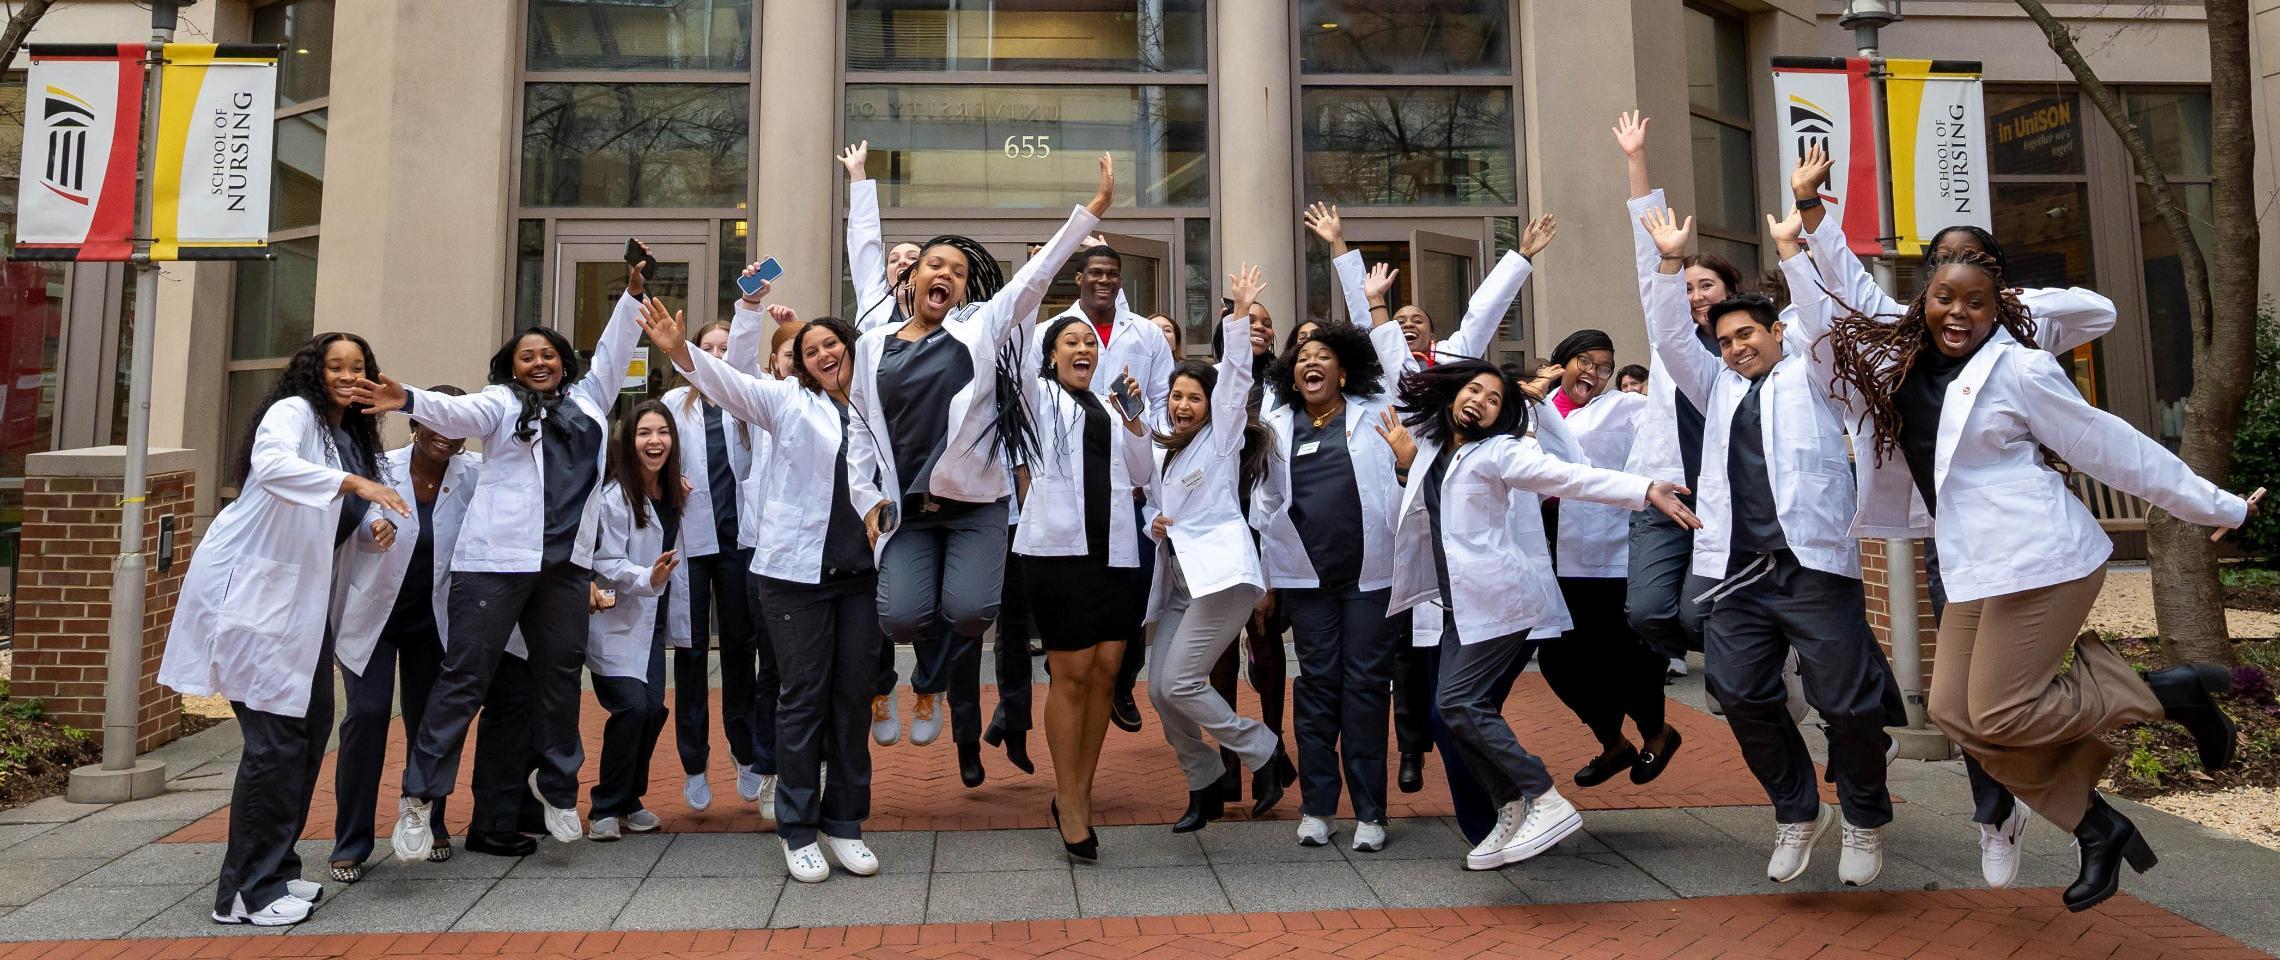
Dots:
{"x": 1369, "y": 837}
{"x": 1550, "y": 819}
{"x": 1999, "y": 846}
{"x": 561, "y": 822}
{"x": 1863, "y": 856}
{"x": 768, "y": 797}
{"x": 851, "y": 855}
{"x": 604, "y": 830}
{"x": 1677, "y": 667}
{"x": 748, "y": 783}
{"x": 308, "y": 890}
{"x": 642, "y": 821}
{"x": 413, "y": 840}
{"x": 926, "y": 719}
{"x": 698, "y": 791}
{"x": 1793, "y": 845}
{"x": 806, "y": 863}
{"x": 886, "y": 721}
{"x": 284, "y": 911}
{"x": 1313, "y": 831}
{"x": 1485, "y": 855}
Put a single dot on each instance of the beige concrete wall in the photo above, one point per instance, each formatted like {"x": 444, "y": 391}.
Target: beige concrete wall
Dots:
{"x": 796, "y": 217}
{"x": 2264, "y": 69}
{"x": 1258, "y": 209}
{"x": 2169, "y": 46}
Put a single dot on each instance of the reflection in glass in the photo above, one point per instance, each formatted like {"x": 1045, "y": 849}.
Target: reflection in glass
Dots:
{"x": 2034, "y": 133}
{"x": 2169, "y": 321}
{"x": 1157, "y": 36}
{"x": 640, "y": 35}
{"x": 1403, "y": 36}
{"x": 31, "y": 328}
{"x": 1725, "y": 185}
{"x": 598, "y": 284}
{"x": 304, "y": 27}
{"x": 2176, "y": 127}
{"x": 1424, "y": 146}
{"x": 275, "y": 308}
{"x": 735, "y": 239}
{"x": 1201, "y": 304}
{"x": 1032, "y": 147}
{"x": 247, "y": 388}
{"x": 530, "y": 271}
{"x": 634, "y": 145}
{"x": 1717, "y": 63}
{"x": 1444, "y": 286}
{"x": 299, "y": 191}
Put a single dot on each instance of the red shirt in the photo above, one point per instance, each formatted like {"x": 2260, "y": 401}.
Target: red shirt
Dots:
{"x": 1561, "y": 402}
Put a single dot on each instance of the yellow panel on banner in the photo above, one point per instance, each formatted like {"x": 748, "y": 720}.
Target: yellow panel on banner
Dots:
{"x": 216, "y": 131}
{"x": 1938, "y": 127}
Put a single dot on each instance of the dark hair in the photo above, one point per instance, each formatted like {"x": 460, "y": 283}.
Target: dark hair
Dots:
{"x": 1728, "y": 274}
{"x": 1086, "y": 256}
{"x": 1427, "y": 393}
{"x": 1258, "y": 441}
{"x": 1053, "y": 336}
{"x": 1012, "y": 434}
{"x": 1581, "y": 342}
{"x": 1872, "y": 355}
{"x": 1179, "y": 333}
{"x": 1292, "y": 340}
{"x": 1758, "y": 307}
{"x": 1219, "y": 332}
{"x": 1632, "y": 370}
{"x": 1987, "y": 245}
{"x": 625, "y": 466}
{"x": 1775, "y": 287}
{"x": 304, "y": 377}
{"x": 503, "y": 373}
{"x": 1357, "y": 359}
{"x": 832, "y": 325}
{"x": 441, "y": 389}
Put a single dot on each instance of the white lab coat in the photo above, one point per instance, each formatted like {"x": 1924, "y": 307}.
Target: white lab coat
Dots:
{"x": 1497, "y": 553}
{"x": 251, "y": 617}
{"x": 867, "y": 258}
{"x": 365, "y": 589}
{"x": 1287, "y": 563}
{"x": 1484, "y": 313}
{"x": 699, "y": 529}
{"x": 618, "y": 640}
{"x": 1134, "y": 344}
{"x": 970, "y": 468}
{"x": 1055, "y": 504}
{"x": 1808, "y": 461}
{"x": 1595, "y": 539}
{"x": 1199, "y": 490}
{"x": 506, "y": 529}
{"x": 803, "y": 431}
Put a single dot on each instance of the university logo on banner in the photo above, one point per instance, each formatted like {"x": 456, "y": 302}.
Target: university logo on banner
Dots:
{"x": 1830, "y": 101}
{"x": 1938, "y": 124}
{"x": 216, "y": 134}
{"x": 82, "y": 133}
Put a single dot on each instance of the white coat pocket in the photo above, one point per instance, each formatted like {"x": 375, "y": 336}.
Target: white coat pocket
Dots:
{"x": 260, "y": 597}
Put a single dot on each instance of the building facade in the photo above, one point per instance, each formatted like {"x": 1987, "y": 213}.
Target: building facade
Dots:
{"x": 448, "y": 170}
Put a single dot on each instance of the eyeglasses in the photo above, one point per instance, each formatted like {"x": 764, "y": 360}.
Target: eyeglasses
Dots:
{"x": 1604, "y": 370}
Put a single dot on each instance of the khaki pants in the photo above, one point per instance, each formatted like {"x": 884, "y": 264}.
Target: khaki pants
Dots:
{"x": 1997, "y": 692}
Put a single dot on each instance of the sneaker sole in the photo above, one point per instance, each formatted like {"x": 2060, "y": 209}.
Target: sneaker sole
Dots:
{"x": 601, "y": 838}
{"x": 1565, "y": 829}
{"x": 917, "y": 741}
{"x": 250, "y": 920}
{"x": 1871, "y": 878}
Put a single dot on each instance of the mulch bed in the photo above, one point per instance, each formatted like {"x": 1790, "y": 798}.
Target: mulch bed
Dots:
{"x": 2158, "y": 758}
{"x": 37, "y": 757}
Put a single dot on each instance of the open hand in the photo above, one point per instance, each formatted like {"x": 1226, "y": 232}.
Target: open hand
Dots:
{"x": 1106, "y": 193}
{"x": 668, "y": 330}
{"x": 380, "y": 396}
{"x": 1397, "y": 438}
{"x": 1322, "y": 218}
{"x": 856, "y": 157}
{"x": 1664, "y": 496}
{"x": 1670, "y": 234}
{"x": 1538, "y": 235}
{"x": 662, "y": 569}
{"x": 1631, "y": 133}
{"x": 379, "y": 494}
{"x": 1244, "y": 286}
{"x": 1378, "y": 284}
{"x": 1812, "y": 172}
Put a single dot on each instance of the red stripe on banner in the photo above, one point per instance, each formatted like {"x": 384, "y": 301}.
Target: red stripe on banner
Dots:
{"x": 1862, "y": 207}
{"x": 110, "y": 234}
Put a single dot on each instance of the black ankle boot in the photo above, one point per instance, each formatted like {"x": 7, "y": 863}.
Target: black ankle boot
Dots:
{"x": 1204, "y": 806}
{"x": 501, "y": 844}
{"x": 2107, "y": 840}
{"x": 970, "y": 764}
{"x": 1412, "y": 776}
{"x": 2187, "y": 693}
{"x": 1016, "y": 745}
{"x": 1267, "y": 784}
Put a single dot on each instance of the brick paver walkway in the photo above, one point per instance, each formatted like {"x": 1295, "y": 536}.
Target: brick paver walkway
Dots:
{"x": 1978, "y": 924}
{"x": 917, "y": 788}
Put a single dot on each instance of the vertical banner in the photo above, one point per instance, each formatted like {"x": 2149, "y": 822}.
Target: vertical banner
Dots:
{"x": 1830, "y": 101}
{"x": 216, "y": 130}
{"x": 1938, "y": 123}
{"x": 82, "y": 137}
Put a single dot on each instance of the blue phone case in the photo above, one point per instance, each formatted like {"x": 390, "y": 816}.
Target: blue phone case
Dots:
{"x": 768, "y": 272}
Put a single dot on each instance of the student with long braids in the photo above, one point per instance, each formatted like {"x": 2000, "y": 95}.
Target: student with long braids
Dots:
{"x": 816, "y": 567}
{"x": 938, "y": 410}
{"x": 525, "y": 557}
{"x": 1973, "y": 421}
{"x": 1460, "y": 542}
{"x": 637, "y": 564}
{"x": 391, "y": 603}
{"x": 254, "y": 625}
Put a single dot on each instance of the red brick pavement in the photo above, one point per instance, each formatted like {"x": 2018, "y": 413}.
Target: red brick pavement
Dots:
{"x": 917, "y": 788}
{"x": 1973, "y": 925}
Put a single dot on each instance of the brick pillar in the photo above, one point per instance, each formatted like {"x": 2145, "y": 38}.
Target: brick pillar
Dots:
{"x": 1873, "y": 573}
{"x": 63, "y": 591}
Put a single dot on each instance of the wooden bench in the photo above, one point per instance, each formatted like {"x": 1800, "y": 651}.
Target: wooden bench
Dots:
{"x": 2116, "y": 511}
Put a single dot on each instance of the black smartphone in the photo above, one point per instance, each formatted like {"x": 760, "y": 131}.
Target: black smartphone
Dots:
{"x": 635, "y": 256}
{"x": 1127, "y": 397}
{"x": 890, "y": 517}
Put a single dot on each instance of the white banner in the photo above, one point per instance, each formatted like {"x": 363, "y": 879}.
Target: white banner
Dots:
{"x": 1938, "y": 122}
{"x": 82, "y": 125}
{"x": 1827, "y": 101}
{"x": 215, "y": 144}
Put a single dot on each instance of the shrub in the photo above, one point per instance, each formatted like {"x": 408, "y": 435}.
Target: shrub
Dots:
{"x": 2256, "y": 445}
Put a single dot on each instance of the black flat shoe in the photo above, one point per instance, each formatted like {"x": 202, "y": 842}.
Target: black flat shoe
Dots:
{"x": 2188, "y": 695}
{"x": 1087, "y": 849}
{"x": 1651, "y": 763}
{"x": 1124, "y": 712}
{"x": 970, "y": 764}
{"x": 1267, "y": 784}
{"x": 1412, "y": 775}
{"x": 2107, "y": 840}
{"x": 1016, "y": 746}
{"x": 1603, "y": 768}
{"x": 1204, "y": 806}
{"x": 501, "y": 844}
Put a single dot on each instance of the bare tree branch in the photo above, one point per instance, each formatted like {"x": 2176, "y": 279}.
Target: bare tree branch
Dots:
{"x": 20, "y": 25}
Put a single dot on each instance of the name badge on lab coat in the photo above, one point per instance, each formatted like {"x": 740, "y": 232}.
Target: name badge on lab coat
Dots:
{"x": 1192, "y": 481}
{"x": 1307, "y": 449}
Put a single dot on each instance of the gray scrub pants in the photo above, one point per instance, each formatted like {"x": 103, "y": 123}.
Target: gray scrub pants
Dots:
{"x": 940, "y": 583}
{"x": 1470, "y": 706}
{"x": 1191, "y": 633}
{"x": 1659, "y": 594}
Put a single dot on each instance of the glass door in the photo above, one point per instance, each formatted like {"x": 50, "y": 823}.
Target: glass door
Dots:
{"x": 589, "y": 276}
{"x": 1445, "y": 270}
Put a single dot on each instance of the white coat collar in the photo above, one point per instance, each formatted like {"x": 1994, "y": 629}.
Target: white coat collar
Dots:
{"x": 1955, "y": 408}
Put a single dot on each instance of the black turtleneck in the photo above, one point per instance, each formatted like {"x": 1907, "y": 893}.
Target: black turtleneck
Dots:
{"x": 1920, "y": 398}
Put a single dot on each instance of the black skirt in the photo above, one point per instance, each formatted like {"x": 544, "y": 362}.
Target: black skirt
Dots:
{"x": 1077, "y": 602}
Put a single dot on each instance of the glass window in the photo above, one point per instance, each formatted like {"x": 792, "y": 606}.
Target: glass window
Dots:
{"x": 1201, "y": 303}
{"x": 933, "y": 36}
{"x": 1725, "y": 181}
{"x": 1033, "y": 147}
{"x": 1717, "y": 63}
{"x": 247, "y": 389}
{"x": 1403, "y": 36}
{"x": 304, "y": 27}
{"x": 2034, "y": 133}
{"x": 1422, "y": 146}
{"x": 735, "y": 244}
{"x": 299, "y": 191}
{"x": 2176, "y": 125}
{"x": 640, "y": 35}
{"x": 634, "y": 145}
{"x": 2169, "y": 322}
{"x": 31, "y": 328}
{"x": 530, "y": 272}
{"x": 275, "y": 309}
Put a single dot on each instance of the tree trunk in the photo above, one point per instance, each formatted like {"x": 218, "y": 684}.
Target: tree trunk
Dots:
{"x": 19, "y": 27}
{"x": 2188, "y": 601}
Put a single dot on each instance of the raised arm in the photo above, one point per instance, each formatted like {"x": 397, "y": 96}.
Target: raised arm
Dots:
{"x": 759, "y": 401}
{"x": 748, "y": 330}
{"x": 2067, "y": 317}
{"x": 1349, "y": 268}
{"x": 1670, "y": 324}
{"x": 1003, "y": 314}
{"x": 1231, "y": 399}
{"x": 457, "y": 418}
{"x": 2108, "y": 448}
{"x": 866, "y": 252}
{"x": 611, "y": 353}
{"x": 1524, "y": 464}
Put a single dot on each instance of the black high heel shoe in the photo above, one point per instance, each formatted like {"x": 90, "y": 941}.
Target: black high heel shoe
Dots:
{"x": 970, "y": 764}
{"x": 1204, "y": 806}
{"x": 2108, "y": 840}
{"x": 2187, "y": 693}
{"x": 1087, "y": 849}
{"x": 1016, "y": 746}
{"x": 1267, "y": 784}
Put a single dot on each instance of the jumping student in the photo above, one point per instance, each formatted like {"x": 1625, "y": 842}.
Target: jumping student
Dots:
{"x": 637, "y": 566}
{"x": 506, "y": 754}
{"x": 526, "y": 555}
{"x": 253, "y": 623}
{"x": 391, "y": 603}
{"x": 815, "y": 566}
{"x": 1460, "y": 542}
{"x": 1207, "y": 577}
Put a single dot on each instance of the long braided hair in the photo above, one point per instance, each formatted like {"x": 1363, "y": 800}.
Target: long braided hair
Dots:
{"x": 1013, "y": 434}
{"x": 1873, "y": 355}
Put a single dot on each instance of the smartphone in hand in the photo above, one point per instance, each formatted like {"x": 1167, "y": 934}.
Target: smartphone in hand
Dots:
{"x": 635, "y": 256}
{"x": 1127, "y": 397}
{"x": 767, "y": 273}
{"x": 890, "y": 517}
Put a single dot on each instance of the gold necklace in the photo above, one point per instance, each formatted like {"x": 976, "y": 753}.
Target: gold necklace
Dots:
{"x": 1325, "y": 418}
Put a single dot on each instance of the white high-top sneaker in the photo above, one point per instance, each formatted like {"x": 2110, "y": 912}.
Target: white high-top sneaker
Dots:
{"x": 309, "y": 890}
{"x": 1550, "y": 819}
{"x": 1486, "y": 855}
{"x": 1369, "y": 837}
{"x": 1999, "y": 847}
{"x": 561, "y": 822}
{"x": 1863, "y": 856}
{"x": 1793, "y": 845}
